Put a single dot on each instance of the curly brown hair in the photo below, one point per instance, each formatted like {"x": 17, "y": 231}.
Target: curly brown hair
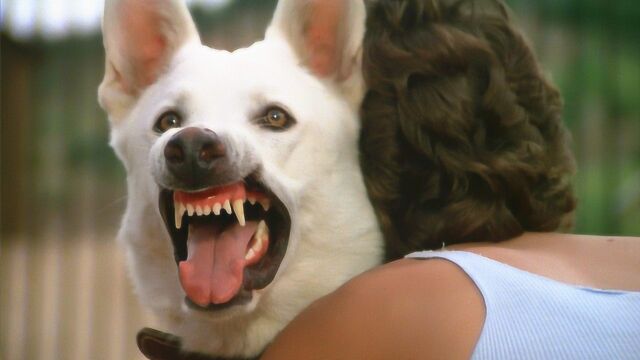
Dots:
{"x": 462, "y": 137}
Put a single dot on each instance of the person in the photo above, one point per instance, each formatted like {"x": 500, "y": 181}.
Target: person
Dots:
{"x": 465, "y": 156}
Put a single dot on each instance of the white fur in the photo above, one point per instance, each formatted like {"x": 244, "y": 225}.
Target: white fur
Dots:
{"x": 313, "y": 167}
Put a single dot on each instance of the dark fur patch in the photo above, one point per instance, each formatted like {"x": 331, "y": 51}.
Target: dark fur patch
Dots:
{"x": 462, "y": 137}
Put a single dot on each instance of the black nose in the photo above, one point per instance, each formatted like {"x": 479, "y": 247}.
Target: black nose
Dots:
{"x": 192, "y": 153}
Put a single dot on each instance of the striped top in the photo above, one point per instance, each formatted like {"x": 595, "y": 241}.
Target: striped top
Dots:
{"x": 529, "y": 316}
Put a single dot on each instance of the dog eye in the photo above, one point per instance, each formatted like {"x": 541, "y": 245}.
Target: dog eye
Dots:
{"x": 166, "y": 121}
{"x": 276, "y": 119}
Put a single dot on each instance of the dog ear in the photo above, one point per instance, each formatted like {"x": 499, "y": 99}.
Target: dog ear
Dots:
{"x": 140, "y": 38}
{"x": 325, "y": 34}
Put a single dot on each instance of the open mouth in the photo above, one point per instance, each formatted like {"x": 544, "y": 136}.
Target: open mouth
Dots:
{"x": 228, "y": 240}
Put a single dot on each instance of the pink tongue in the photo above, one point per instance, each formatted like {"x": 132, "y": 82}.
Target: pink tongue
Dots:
{"x": 214, "y": 267}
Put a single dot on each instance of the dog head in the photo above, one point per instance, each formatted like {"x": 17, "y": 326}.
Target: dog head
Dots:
{"x": 246, "y": 200}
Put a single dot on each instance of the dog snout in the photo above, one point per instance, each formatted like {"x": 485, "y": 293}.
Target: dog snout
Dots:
{"x": 192, "y": 153}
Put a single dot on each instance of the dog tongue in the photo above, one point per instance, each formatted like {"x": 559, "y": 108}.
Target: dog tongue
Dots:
{"x": 215, "y": 264}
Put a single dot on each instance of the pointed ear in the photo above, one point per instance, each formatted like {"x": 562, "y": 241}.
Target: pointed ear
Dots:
{"x": 140, "y": 38}
{"x": 325, "y": 34}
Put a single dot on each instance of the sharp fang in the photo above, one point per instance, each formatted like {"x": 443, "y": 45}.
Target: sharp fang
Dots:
{"x": 252, "y": 201}
{"x": 190, "y": 209}
{"x": 199, "y": 210}
{"x": 238, "y": 209}
{"x": 207, "y": 210}
{"x": 179, "y": 211}
{"x": 266, "y": 204}
{"x": 227, "y": 207}
{"x": 216, "y": 208}
{"x": 261, "y": 233}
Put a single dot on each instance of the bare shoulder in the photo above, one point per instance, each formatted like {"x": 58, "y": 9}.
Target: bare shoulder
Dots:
{"x": 409, "y": 309}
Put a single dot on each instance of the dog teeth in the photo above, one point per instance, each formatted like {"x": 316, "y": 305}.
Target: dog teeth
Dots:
{"x": 227, "y": 207}
{"x": 262, "y": 233}
{"x": 265, "y": 203}
{"x": 179, "y": 211}
{"x": 238, "y": 209}
{"x": 230, "y": 206}
{"x": 216, "y": 208}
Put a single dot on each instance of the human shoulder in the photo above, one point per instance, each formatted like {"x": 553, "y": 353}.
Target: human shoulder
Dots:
{"x": 406, "y": 309}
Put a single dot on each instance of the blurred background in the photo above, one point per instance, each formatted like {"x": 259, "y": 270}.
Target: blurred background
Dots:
{"x": 63, "y": 287}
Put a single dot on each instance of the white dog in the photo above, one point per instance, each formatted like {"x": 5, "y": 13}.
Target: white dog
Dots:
{"x": 246, "y": 201}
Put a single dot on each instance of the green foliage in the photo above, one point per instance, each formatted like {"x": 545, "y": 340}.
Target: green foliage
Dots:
{"x": 618, "y": 16}
{"x": 599, "y": 76}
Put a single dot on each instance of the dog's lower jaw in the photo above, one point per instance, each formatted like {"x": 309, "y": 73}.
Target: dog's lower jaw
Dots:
{"x": 244, "y": 337}
{"x": 248, "y": 334}
{"x": 325, "y": 251}
{"x": 243, "y": 332}
{"x": 149, "y": 253}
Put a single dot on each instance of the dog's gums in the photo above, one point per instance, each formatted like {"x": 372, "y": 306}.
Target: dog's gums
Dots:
{"x": 231, "y": 198}
{"x": 223, "y": 255}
